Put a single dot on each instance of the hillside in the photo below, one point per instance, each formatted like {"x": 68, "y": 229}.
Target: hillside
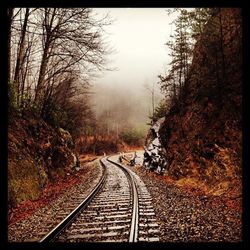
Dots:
{"x": 40, "y": 154}
{"x": 37, "y": 154}
{"x": 202, "y": 133}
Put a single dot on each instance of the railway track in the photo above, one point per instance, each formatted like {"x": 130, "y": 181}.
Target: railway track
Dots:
{"x": 119, "y": 209}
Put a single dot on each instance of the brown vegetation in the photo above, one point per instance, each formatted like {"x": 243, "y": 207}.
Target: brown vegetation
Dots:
{"x": 51, "y": 192}
{"x": 37, "y": 155}
{"x": 202, "y": 133}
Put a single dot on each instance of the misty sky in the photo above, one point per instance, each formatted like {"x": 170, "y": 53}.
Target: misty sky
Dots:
{"x": 138, "y": 36}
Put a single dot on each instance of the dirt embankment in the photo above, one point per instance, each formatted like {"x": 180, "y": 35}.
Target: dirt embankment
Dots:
{"x": 202, "y": 133}
{"x": 37, "y": 155}
{"x": 54, "y": 190}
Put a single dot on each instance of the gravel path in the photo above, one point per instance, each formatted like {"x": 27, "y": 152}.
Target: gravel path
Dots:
{"x": 186, "y": 216}
{"x": 43, "y": 220}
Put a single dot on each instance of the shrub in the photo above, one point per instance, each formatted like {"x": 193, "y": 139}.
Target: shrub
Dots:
{"x": 132, "y": 137}
{"x": 12, "y": 97}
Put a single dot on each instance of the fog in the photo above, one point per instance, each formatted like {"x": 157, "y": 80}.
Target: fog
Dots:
{"x": 137, "y": 36}
{"x": 125, "y": 104}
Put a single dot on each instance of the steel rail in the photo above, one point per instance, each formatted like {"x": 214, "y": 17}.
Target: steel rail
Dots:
{"x": 65, "y": 222}
{"x": 133, "y": 236}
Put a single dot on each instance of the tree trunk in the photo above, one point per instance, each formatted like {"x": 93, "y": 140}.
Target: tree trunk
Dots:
{"x": 25, "y": 72}
{"x": 24, "y": 75}
{"x": 9, "y": 22}
{"x": 20, "y": 56}
{"x": 48, "y": 47}
{"x": 42, "y": 71}
{"x": 174, "y": 89}
{"x": 221, "y": 48}
{"x": 217, "y": 75}
{"x": 180, "y": 83}
{"x": 153, "y": 102}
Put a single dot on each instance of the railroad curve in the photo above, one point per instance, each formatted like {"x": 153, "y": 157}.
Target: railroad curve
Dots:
{"x": 119, "y": 209}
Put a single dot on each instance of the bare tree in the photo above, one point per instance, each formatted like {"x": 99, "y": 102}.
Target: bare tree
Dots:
{"x": 152, "y": 91}
{"x": 21, "y": 55}
{"x": 55, "y": 52}
{"x": 71, "y": 39}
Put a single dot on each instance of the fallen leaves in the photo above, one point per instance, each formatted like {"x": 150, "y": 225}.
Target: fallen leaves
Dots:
{"x": 50, "y": 193}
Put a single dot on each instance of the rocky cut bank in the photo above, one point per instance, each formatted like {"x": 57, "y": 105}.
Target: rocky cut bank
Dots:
{"x": 202, "y": 133}
{"x": 37, "y": 154}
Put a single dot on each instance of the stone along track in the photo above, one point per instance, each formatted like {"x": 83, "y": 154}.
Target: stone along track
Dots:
{"x": 119, "y": 209}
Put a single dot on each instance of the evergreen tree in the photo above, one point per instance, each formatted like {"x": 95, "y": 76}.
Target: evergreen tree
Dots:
{"x": 188, "y": 26}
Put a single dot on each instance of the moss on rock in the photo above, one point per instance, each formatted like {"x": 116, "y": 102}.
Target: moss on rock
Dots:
{"x": 37, "y": 155}
{"x": 23, "y": 180}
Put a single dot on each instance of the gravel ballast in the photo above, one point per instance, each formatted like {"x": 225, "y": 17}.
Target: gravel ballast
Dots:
{"x": 182, "y": 215}
{"x": 46, "y": 218}
{"x": 186, "y": 216}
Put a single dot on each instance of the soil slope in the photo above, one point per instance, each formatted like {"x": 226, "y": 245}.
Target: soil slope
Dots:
{"x": 37, "y": 155}
{"x": 202, "y": 133}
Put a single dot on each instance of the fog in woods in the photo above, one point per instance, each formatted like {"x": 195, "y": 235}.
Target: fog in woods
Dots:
{"x": 126, "y": 95}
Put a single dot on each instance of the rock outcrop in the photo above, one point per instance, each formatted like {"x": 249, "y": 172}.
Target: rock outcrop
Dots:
{"x": 202, "y": 133}
{"x": 37, "y": 154}
{"x": 154, "y": 158}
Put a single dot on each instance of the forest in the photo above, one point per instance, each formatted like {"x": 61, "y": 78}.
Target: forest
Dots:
{"x": 59, "y": 120}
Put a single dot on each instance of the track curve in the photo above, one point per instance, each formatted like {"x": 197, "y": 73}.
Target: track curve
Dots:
{"x": 119, "y": 209}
